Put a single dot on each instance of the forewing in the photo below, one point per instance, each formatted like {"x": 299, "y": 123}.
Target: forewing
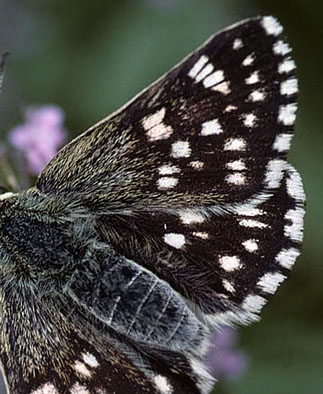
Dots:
{"x": 214, "y": 130}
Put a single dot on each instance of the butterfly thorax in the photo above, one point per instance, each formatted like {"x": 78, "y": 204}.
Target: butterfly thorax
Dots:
{"x": 42, "y": 242}
{"x": 36, "y": 243}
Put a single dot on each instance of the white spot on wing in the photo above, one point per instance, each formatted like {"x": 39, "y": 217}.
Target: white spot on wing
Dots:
{"x": 287, "y": 114}
{"x": 175, "y": 240}
{"x": 254, "y": 78}
{"x": 90, "y": 360}
{"x": 211, "y": 127}
{"x": 168, "y": 169}
{"x": 237, "y": 44}
{"x": 223, "y": 88}
{"x": 189, "y": 217}
{"x": 271, "y": 25}
{"x": 167, "y": 182}
{"x": 286, "y": 257}
{"x": 228, "y": 286}
{"x": 294, "y": 185}
{"x": 248, "y": 210}
{"x": 252, "y": 223}
{"x": 282, "y": 142}
{"x": 154, "y": 119}
{"x": 253, "y": 303}
{"x": 281, "y": 48}
{"x": 270, "y": 281}
{"x": 230, "y": 108}
{"x": 160, "y": 132}
{"x": 249, "y": 120}
{"x": 248, "y": 60}
{"x": 163, "y": 384}
{"x": 214, "y": 78}
{"x": 235, "y": 144}
{"x": 294, "y": 231}
{"x": 197, "y": 165}
{"x": 289, "y": 87}
{"x": 274, "y": 173}
{"x": 286, "y": 66}
{"x": 257, "y": 95}
{"x": 181, "y": 149}
{"x": 230, "y": 263}
{"x": 82, "y": 369}
{"x": 236, "y": 165}
{"x": 198, "y": 66}
{"x": 205, "y": 72}
{"x": 200, "y": 234}
{"x": 47, "y": 388}
{"x": 236, "y": 179}
{"x": 155, "y": 128}
{"x": 250, "y": 245}
{"x": 77, "y": 388}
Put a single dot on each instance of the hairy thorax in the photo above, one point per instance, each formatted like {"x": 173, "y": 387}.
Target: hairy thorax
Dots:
{"x": 39, "y": 243}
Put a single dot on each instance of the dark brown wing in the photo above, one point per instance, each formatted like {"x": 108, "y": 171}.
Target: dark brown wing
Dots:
{"x": 212, "y": 131}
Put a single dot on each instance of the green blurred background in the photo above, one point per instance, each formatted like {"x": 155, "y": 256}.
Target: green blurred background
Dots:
{"x": 91, "y": 56}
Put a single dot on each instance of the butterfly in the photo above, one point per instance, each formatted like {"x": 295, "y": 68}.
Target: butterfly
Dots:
{"x": 174, "y": 216}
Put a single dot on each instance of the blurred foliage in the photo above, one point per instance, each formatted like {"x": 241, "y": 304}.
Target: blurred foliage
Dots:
{"x": 90, "y": 57}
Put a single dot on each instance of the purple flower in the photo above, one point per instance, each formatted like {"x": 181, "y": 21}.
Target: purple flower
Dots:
{"x": 40, "y": 136}
{"x": 224, "y": 361}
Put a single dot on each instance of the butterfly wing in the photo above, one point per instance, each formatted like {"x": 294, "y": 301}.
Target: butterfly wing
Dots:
{"x": 168, "y": 175}
{"x": 190, "y": 180}
{"x": 148, "y": 315}
{"x": 214, "y": 130}
{"x": 76, "y": 355}
{"x": 229, "y": 264}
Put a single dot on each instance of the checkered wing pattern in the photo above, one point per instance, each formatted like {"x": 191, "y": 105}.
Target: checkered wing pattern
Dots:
{"x": 189, "y": 184}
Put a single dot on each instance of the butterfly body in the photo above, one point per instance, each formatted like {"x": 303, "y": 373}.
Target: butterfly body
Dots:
{"x": 52, "y": 255}
{"x": 174, "y": 216}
